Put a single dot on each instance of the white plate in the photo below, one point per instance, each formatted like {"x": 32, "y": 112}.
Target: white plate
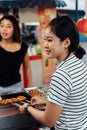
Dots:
{"x": 34, "y": 88}
{"x": 31, "y": 88}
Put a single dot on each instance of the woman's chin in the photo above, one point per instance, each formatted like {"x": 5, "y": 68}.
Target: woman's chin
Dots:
{"x": 49, "y": 56}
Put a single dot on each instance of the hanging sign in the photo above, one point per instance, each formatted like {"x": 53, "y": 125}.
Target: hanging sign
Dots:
{"x": 48, "y": 65}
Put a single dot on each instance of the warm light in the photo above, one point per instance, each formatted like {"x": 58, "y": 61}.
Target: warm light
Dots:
{"x": 84, "y": 34}
{"x": 82, "y": 25}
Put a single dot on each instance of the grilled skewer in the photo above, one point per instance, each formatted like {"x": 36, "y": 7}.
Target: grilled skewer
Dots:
{"x": 12, "y": 100}
{"x": 18, "y": 104}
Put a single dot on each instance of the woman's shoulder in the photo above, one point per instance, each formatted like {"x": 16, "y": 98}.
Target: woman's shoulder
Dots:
{"x": 24, "y": 45}
{"x": 24, "y": 48}
{"x": 21, "y": 45}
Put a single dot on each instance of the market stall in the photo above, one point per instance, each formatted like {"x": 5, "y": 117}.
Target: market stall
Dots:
{"x": 10, "y": 116}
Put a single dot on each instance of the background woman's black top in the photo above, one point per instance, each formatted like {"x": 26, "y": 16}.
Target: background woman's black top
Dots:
{"x": 10, "y": 63}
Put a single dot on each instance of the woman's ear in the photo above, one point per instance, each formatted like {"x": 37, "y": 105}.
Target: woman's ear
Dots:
{"x": 66, "y": 43}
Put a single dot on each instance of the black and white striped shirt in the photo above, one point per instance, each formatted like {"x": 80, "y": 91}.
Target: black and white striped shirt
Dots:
{"x": 68, "y": 88}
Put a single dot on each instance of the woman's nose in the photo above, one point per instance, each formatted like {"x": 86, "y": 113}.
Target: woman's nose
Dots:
{"x": 45, "y": 43}
{"x": 4, "y": 28}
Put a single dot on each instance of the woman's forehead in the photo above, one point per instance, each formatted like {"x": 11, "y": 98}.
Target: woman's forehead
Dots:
{"x": 48, "y": 31}
{"x": 6, "y": 21}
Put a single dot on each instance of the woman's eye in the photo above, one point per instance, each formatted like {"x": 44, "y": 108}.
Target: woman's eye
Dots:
{"x": 44, "y": 39}
{"x": 1, "y": 25}
{"x": 49, "y": 40}
{"x": 9, "y": 26}
{"x": 5, "y": 26}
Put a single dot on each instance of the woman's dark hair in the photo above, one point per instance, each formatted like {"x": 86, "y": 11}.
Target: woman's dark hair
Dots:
{"x": 15, "y": 23}
{"x": 64, "y": 27}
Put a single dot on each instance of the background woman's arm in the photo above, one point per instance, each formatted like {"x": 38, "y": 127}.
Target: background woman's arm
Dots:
{"x": 28, "y": 70}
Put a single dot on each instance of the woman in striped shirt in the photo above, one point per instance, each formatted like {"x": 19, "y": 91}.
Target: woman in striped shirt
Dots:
{"x": 66, "y": 104}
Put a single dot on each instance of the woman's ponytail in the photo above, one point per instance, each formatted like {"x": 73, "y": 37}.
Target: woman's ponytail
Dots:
{"x": 80, "y": 52}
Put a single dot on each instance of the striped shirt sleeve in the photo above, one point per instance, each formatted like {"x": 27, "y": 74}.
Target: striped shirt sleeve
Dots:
{"x": 60, "y": 87}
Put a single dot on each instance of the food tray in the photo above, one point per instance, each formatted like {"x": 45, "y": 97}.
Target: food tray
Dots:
{"x": 15, "y": 95}
{"x": 35, "y": 91}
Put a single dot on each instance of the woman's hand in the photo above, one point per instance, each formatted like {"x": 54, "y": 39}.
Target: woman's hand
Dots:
{"x": 22, "y": 107}
{"x": 38, "y": 100}
{"x": 35, "y": 101}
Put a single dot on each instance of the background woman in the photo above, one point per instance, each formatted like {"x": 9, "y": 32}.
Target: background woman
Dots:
{"x": 12, "y": 54}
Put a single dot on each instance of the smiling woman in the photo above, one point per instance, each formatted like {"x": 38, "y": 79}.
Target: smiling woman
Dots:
{"x": 66, "y": 103}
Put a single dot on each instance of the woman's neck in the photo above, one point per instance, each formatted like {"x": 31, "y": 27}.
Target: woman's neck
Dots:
{"x": 7, "y": 41}
{"x": 64, "y": 58}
